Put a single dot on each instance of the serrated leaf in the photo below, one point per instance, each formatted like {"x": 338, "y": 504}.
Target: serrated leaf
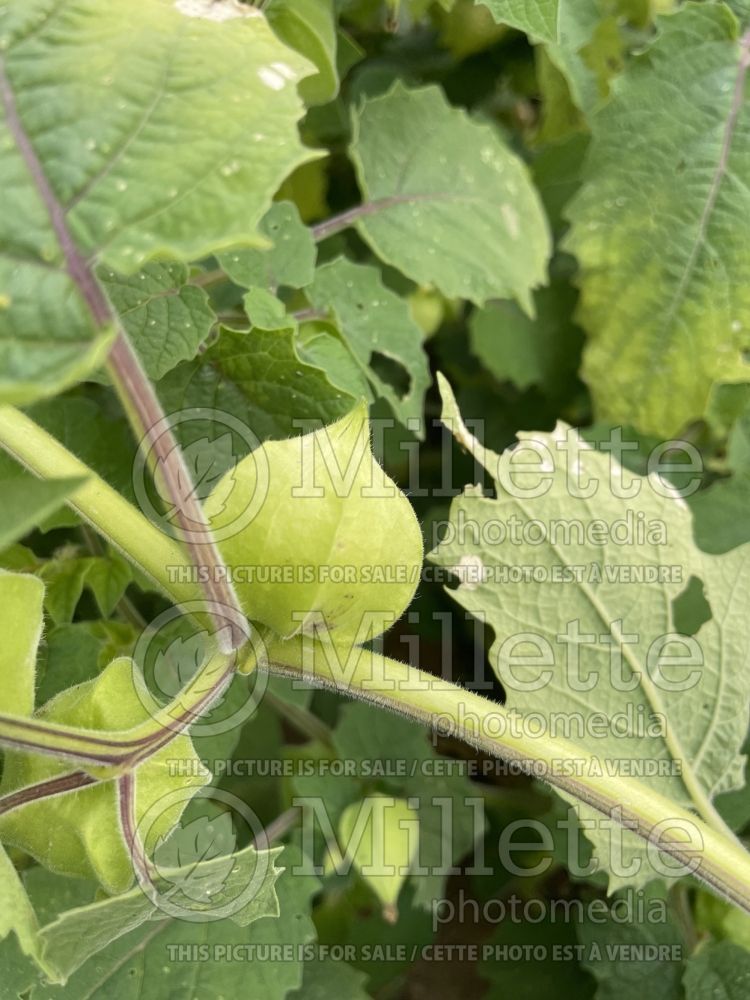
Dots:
{"x": 166, "y": 318}
{"x": 447, "y": 202}
{"x": 259, "y": 377}
{"x": 194, "y": 843}
{"x": 666, "y": 292}
{"x": 617, "y": 596}
{"x": 374, "y": 321}
{"x": 151, "y": 955}
{"x": 76, "y": 934}
{"x": 290, "y": 260}
{"x": 309, "y": 26}
{"x": 126, "y": 93}
{"x": 538, "y": 18}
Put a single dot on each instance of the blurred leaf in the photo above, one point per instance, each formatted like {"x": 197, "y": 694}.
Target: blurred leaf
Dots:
{"x": 446, "y": 201}
{"x": 666, "y": 291}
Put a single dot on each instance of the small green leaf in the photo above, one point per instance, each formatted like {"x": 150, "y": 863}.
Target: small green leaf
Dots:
{"x": 290, "y": 260}
{"x": 543, "y": 351}
{"x": 165, "y": 317}
{"x": 107, "y": 577}
{"x": 265, "y": 311}
{"x": 375, "y": 322}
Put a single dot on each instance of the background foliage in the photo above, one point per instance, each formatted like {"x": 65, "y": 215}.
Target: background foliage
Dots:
{"x": 546, "y": 200}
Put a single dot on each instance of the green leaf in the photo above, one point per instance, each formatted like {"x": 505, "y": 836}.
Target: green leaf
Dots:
{"x": 75, "y": 935}
{"x": 446, "y": 201}
{"x": 580, "y": 565}
{"x": 375, "y": 322}
{"x": 165, "y": 317}
{"x": 324, "y": 977}
{"x": 720, "y": 519}
{"x": 320, "y": 343}
{"x": 16, "y": 912}
{"x": 70, "y": 655}
{"x": 538, "y": 18}
{"x": 289, "y": 261}
{"x": 79, "y": 833}
{"x": 588, "y": 51}
{"x": 164, "y": 957}
{"x": 107, "y": 577}
{"x": 613, "y": 948}
{"x": 544, "y": 976}
{"x": 543, "y": 351}
{"x": 665, "y": 288}
{"x": 110, "y": 452}
{"x": 21, "y": 628}
{"x": 257, "y": 376}
{"x": 27, "y": 501}
{"x": 309, "y": 26}
{"x": 126, "y": 93}
{"x": 718, "y": 972}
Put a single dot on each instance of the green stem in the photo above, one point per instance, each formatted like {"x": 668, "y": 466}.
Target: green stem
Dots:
{"x": 101, "y": 506}
{"x": 104, "y": 753}
{"x": 721, "y": 862}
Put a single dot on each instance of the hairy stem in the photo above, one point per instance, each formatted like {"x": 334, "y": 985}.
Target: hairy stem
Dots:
{"x": 719, "y": 861}
{"x": 158, "y": 442}
{"x": 70, "y": 782}
{"x": 106, "y": 753}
